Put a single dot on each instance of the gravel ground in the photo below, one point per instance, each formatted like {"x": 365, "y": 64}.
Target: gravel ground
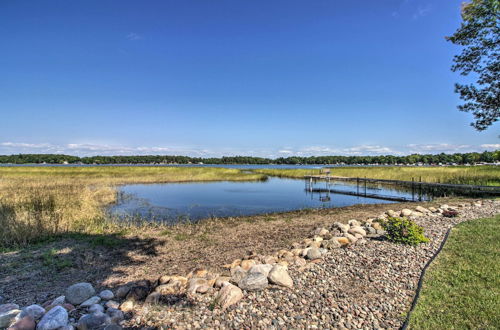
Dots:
{"x": 361, "y": 286}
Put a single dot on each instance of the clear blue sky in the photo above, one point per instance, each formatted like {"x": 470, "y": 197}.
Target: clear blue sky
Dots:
{"x": 267, "y": 78}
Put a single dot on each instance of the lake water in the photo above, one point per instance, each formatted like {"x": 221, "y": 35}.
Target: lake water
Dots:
{"x": 174, "y": 202}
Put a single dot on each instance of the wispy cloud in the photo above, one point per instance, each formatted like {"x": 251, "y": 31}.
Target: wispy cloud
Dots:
{"x": 89, "y": 149}
{"x": 422, "y": 10}
{"x": 133, "y": 36}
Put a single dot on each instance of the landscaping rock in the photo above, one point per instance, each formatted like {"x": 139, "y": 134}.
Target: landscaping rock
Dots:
{"x": 198, "y": 285}
{"x": 254, "y": 282}
{"x": 115, "y": 315}
{"x": 106, "y": 295}
{"x": 138, "y": 293}
{"x": 247, "y": 264}
{"x": 357, "y": 230}
{"x": 261, "y": 268}
{"x": 7, "y": 317}
{"x": 313, "y": 253}
{"x": 55, "y": 318}
{"x": 354, "y": 223}
{"x": 228, "y": 295}
{"x": 237, "y": 274}
{"x": 8, "y": 307}
{"x": 392, "y": 213}
{"x": 78, "y": 293}
{"x": 91, "y": 301}
{"x": 330, "y": 244}
{"x": 122, "y": 291}
{"x": 127, "y": 306}
{"x": 406, "y": 212}
{"x": 96, "y": 308}
{"x": 93, "y": 321}
{"x": 35, "y": 311}
{"x": 422, "y": 209}
{"x": 112, "y": 304}
{"x": 321, "y": 231}
{"x": 279, "y": 275}
{"x": 153, "y": 298}
{"x": 342, "y": 240}
{"x": 25, "y": 323}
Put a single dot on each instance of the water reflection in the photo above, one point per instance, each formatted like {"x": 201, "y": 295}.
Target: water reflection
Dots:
{"x": 174, "y": 202}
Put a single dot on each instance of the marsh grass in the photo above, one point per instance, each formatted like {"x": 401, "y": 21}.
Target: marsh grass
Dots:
{"x": 476, "y": 175}
{"x": 37, "y": 203}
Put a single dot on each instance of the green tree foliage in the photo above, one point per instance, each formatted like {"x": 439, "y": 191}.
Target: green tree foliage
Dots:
{"x": 479, "y": 35}
{"x": 457, "y": 158}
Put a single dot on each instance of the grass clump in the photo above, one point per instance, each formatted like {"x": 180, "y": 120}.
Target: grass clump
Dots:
{"x": 404, "y": 231}
{"x": 462, "y": 286}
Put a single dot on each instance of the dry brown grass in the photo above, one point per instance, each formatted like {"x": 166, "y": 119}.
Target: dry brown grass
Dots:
{"x": 40, "y": 202}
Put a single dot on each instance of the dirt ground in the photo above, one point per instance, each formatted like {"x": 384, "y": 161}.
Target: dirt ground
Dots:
{"x": 44, "y": 271}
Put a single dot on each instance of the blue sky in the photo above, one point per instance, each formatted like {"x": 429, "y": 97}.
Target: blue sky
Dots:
{"x": 210, "y": 78}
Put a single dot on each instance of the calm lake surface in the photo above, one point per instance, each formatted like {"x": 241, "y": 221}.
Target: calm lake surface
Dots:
{"x": 173, "y": 202}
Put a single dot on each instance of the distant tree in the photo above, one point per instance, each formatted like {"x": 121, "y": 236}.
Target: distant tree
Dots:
{"x": 479, "y": 34}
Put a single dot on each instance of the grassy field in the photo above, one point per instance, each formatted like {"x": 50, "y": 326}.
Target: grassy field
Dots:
{"x": 478, "y": 175}
{"x": 461, "y": 288}
{"x": 39, "y": 202}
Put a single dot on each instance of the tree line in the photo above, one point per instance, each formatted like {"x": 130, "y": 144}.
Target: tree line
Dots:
{"x": 456, "y": 158}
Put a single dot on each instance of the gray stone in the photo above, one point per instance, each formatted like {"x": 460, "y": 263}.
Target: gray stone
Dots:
{"x": 112, "y": 327}
{"x": 7, "y": 317}
{"x": 93, "y": 321}
{"x": 2, "y": 300}
{"x": 237, "y": 274}
{"x": 55, "y": 318}
{"x": 116, "y": 315}
{"x": 8, "y": 307}
{"x": 122, "y": 291}
{"x": 261, "y": 268}
{"x": 279, "y": 275}
{"x": 254, "y": 282}
{"x": 96, "y": 308}
{"x": 78, "y": 293}
{"x": 106, "y": 295}
{"x": 35, "y": 311}
{"x": 91, "y": 301}
{"x": 313, "y": 253}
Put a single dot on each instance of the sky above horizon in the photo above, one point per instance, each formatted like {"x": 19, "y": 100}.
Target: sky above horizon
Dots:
{"x": 212, "y": 78}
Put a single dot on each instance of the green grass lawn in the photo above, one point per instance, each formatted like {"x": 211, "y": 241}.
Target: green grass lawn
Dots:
{"x": 461, "y": 288}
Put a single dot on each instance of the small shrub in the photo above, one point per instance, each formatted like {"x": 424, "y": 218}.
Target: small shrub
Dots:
{"x": 404, "y": 231}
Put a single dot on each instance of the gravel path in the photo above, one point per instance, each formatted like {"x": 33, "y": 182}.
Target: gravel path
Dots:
{"x": 365, "y": 286}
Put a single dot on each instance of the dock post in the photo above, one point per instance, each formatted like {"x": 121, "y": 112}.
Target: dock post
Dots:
{"x": 365, "y": 186}
{"x": 413, "y": 189}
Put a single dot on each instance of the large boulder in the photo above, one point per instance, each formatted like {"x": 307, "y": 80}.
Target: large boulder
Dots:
{"x": 254, "y": 282}
{"x": 93, "y": 321}
{"x": 7, "y": 317}
{"x": 261, "y": 268}
{"x": 313, "y": 253}
{"x": 78, "y": 293}
{"x": 406, "y": 212}
{"x": 279, "y": 275}
{"x": 57, "y": 317}
{"x": 35, "y": 311}
{"x": 228, "y": 295}
{"x": 24, "y": 323}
